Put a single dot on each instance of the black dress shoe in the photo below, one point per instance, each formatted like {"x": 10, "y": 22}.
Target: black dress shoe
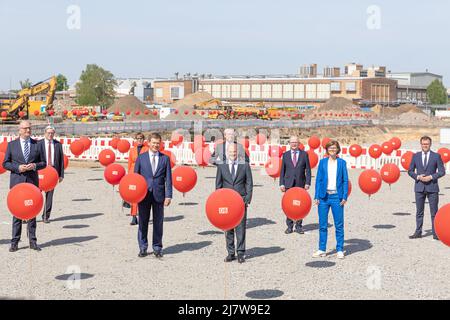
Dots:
{"x": 34, "y": 246}
{"x": 300, "y": 230}
{"x": 126, "y": 205}
{"x": 241, "y": 259}
{"x": 46, "y": 221}
{"x": 24, "y": 221}
{"x": 416, "y": 236}
{"x": 230, "y": 258}
{"x": 142, "y": 253}
{"x": 288, "y": 230}
{"x": 13, "y": 248}
{"x": 134, "y": 221}
{"x": 435, "y": 237}
{"x": 158, "y": 254}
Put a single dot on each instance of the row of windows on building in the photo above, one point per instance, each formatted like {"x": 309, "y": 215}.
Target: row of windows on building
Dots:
{"x": 276, "y": 91}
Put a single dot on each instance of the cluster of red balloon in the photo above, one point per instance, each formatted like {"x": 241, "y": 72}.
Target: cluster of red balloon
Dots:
{"x": 77, "y": 147}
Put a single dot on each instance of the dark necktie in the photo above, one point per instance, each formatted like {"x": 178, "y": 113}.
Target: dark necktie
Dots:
{"x": 26, "y": 150}
{"x": 49, "y": 157}
{"x": 233, "y": 171}
{"x": 425, "y": 161}
{"x": 294, "y": 160}
{"x": 153, "y": 163}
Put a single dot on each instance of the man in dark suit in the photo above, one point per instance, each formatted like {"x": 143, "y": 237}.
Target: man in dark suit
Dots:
{"x": 295, "y": 172}
{"x": 24, "y": 158}
{"x": 426, "y": 168}
{"x": 54, "y": 156}
{"x": 154, "y": 166}
{"x": 236, "y": 174}
{"x": 220, "y": 152}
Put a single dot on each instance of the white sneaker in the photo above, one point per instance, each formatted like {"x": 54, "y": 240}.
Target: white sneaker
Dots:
{"x": 319, "y": 254}
{"x": 340, "y": 255}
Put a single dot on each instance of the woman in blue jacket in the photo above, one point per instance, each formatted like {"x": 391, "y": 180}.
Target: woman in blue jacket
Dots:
{"x": 331, "y": 192}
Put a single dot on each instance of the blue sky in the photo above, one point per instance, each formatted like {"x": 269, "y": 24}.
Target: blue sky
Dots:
{"x": 159, "y": 37}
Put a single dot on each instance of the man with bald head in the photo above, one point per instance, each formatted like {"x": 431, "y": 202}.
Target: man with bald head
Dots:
{"x": 295, "y": 172}
{"x": 220, "y": 153}
{"x": 23, "y": 159}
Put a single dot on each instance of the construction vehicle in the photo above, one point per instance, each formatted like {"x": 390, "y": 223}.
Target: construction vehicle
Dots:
{"x": 21, "y": 106}
{"x": 238, "y": 112}
{"x": 209, "y": 104}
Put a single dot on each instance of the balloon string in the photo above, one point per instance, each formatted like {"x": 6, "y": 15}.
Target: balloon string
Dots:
{"x": 31, "y": 267}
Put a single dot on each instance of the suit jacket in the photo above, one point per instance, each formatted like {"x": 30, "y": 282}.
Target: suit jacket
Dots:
{"x": 297, "y": 176}
{"x": 133, "y": 155}
{"x": 219, "y": 155}
{"x": 58, "y": 162}
{"x": 14, "y": 158}
{"x": 242, "y": 183}
{"x": 435, "y": 168}
{"x": 341, "y": 179}
{"x": 159, "y": 184}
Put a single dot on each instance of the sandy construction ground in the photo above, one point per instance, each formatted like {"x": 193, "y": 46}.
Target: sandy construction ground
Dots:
{"x": 90, "y": 235}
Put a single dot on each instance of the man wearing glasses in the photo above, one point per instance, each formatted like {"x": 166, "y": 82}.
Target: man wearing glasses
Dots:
{"x": 52, "y": 149}
{"x": 295, "y": 172}
{"x": 23, "y": 159}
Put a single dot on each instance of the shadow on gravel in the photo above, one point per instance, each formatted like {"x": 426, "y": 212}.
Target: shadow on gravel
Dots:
{"x": 313, "y": 226}
{"x": 76, "y": 226}
{"x": 190, "y": 246}
{"x": 188, "y": 204}
{"x": 5, "y": 241}
{"x": 257, "y": 222}
{"x": 401, "y": 214}
{"x": 384, "y": 226}
{"x": 264, "y": 294}
{"x": 209, "y": 232}
{"x": 83, "y": 199}
{"x": 320, "y": 264}
{"x": 259, "y": 252}
{"x": 70, "y": 240}
{"x": 78, "y": 216}
{"x": 74, "y": 276}
{"x": 355, "y": 245}
{"x": 95, "y": 179}
{"x": 174, "y": 218}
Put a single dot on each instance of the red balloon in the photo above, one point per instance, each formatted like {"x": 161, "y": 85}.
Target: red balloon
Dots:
{"x": 106, "y": 157}
{"x": 86, "y": 142}
{"x": 325, "y": 141}
{"x": 114, "y": 142}
{"x": 445, "y": 154}
{"x": 442, "y": 224}
{"x": 396, "y": 143}
{"x": 66, "y": 162}
{"x": 202, "y": 156}
{"x": 390, "y": 173}
{"x": 369, "y": 181}
{"x": 123, "y": 146}
{"x": 77, "y": 148}
{"x": 314, "y": 142}
{"x": 114, "y": 173}
{"x": 65, "y": 112}
{"x": 25, "y": 201}
{"x": 162, "y": 146}
{"x": 48, "y": 178}
{"x": 3, "y": 146}
{"x": 225, "y": 209}
{"x": 36, "y": 113}
{"x": 296, "y": 203}
{"x": 176, "y": 138}
{"x": 387, "y": 148}
{"x": 93, "y": 112}
{"x": 301, "y": 146}
{"x": 375, "y": 151}
{"x": 273, "y": 167}
{"x": 21, "y": 114}
{"x": 146, "y": 112}
{"x": 133, "y": 188}
{"x": 245, "y": 143}
{"x": 2, "y": 157}
{"x": 128, "y": 113}
{"x": 105, "y": 112}
{"x": 275, "y": 151}
{"x": 355, "y": 150}
{"x": 173, "y": 159}
{"x": 4, "y": 114}
{"x": 313, "y": 158}
{"x": 199, "y": 142}
{"x": 137, "y": 112}
{"x": 406, "y": 159}
{"x": 350, "y": 187}
{"x": 260, "y": 139}
{"x": 184, "y": 178}
{"x": 155, "y": 113}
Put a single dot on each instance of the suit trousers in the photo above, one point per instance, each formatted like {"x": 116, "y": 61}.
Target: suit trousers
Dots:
{"x": 239, "y": 231}
{"x": 48, "y": 204}
{"x": 145, "y": 206}
{"x": 17, "y": 231}
{"x": 433, "y": 199}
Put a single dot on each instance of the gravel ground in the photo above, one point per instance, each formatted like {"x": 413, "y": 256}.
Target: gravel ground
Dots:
{"x": 90, "y": 235}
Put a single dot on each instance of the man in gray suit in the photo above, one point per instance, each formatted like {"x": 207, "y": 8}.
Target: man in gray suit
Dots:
{"x": 426, "y": 168}
{"x": 236, "y": 174}
{"x": 220, "y": 152}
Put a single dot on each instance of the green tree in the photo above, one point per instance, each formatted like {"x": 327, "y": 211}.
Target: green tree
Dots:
{"x": 25, "y": 83}
{"x": 437, "y": 93}
{"x": 96, "y": 87}
{"x": 61, "y": 83}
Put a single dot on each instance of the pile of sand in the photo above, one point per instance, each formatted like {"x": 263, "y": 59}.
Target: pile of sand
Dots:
{"x": 339, "y": 105}
{"x": 132, "y": 104}
{"x": 187, "y": 104}
{"x": 397, "y": 112}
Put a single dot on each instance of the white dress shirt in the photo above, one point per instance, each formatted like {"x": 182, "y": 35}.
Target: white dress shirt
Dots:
{"x": 332, "y": 174}
{"x": 52, "y": 147}
{"x": 150, "y": 154}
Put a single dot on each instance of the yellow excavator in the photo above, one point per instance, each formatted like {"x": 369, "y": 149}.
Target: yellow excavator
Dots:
{"x": 14, "y": 107}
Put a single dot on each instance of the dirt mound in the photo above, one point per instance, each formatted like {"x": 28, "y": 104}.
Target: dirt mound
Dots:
{"x": 187, "y": 104}
{"x": 132, "y": 104}
{"x": 396, "y": 112}
{"x": 339, "y": 104}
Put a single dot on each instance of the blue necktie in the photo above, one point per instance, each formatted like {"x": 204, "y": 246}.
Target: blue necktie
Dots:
{"x": 26, "y": 150}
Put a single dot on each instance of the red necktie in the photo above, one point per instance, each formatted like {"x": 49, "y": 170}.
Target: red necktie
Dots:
{"x": 49, "y": 156}
{"x": 294, "y": 160}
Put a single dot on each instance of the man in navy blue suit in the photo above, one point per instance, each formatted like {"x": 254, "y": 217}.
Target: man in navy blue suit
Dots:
{"x": 154, "y": 166}
{"x": 24, "y": 158}
{"x": 295, "y": 172}
{"x": 426, "y": 168}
